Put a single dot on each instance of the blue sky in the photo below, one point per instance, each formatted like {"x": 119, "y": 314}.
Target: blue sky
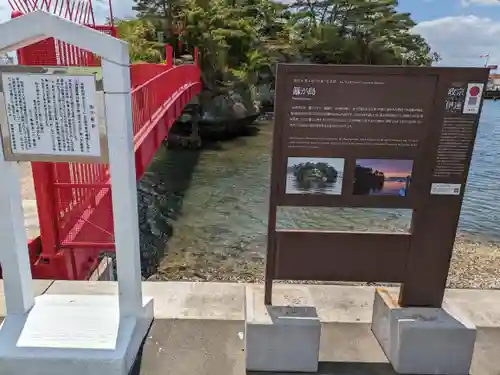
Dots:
{"x": 459, "y": 30}
{"x": 426, "y": 10}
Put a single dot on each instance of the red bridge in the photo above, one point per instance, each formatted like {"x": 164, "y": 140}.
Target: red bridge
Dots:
{"x": 74, "y": 199}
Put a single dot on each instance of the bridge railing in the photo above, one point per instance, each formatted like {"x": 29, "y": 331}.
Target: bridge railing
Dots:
{"x": 74, "y": 199}
{"x": 82, "y": 189}
{"x": 77, "y": 197}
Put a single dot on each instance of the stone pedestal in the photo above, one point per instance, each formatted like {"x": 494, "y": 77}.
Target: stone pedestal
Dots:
{"x": 419, "y": 340}
{"x": 76, "y": 335}
{"x": 285, "y": 336}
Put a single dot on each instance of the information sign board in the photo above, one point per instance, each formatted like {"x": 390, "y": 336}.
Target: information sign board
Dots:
{"x": 372, "y": 136}
{"x": 51, "y": 117}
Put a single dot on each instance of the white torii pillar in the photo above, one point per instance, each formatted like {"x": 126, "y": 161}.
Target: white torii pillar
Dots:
{"x": 75, "y": 334}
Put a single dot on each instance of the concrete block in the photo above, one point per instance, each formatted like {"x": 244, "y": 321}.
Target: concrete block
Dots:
{"x": 417, "y": 340}
{"x": 285, "y": 336}
{"x": 70, "y": 334}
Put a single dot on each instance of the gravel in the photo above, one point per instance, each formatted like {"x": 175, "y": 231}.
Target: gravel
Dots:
{"x": 473, "y": 265}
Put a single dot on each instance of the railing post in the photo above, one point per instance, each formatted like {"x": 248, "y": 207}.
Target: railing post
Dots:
{"x": 196, "y": 55}
{"x": 43, "y": 178}
{"x": 169, "y": 56}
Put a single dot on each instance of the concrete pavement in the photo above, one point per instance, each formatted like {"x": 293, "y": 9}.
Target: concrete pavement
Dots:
{"x": 198, "y": 327}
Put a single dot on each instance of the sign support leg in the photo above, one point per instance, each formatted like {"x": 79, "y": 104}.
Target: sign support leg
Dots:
{"x": 123, "y": 181}
{"x": 14, "y": 256}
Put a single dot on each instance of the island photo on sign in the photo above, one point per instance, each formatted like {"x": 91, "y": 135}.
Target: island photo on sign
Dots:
{"x": 382, "y": 177}
{"x": 308, "y": 175}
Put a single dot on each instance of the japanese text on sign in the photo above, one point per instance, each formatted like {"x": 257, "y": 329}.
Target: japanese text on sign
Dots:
{"x": 52, "y": 115}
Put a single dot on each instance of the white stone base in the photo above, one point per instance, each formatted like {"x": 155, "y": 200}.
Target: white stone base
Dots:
{"x": 285, "y": 336}
{"x": 419, "y": 340}
{"x": 72, "y": 335}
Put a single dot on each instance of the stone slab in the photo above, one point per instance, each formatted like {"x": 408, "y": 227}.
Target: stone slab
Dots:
{"x": 480, "y": 306}
{"x": 284, "y": 336}
{"x": 347, "y": 345}
{"x": 193, "y": 347}
{"x": 343, "y": 304}
{"x": 174, "y": 300}
{"x": 39, "y": 287}
{"x": 420, "y": 340}
{"x": 70, "y": 334}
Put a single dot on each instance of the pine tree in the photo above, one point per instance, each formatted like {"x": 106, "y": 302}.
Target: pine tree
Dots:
{"x": 163, "y": 14}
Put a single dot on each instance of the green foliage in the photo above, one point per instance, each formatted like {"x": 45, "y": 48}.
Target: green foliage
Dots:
{"x": 140, "y": 34}
{"x": 238, "y": 38}
{"x": 315, "y": 171}
{"x": 358, "y": 32}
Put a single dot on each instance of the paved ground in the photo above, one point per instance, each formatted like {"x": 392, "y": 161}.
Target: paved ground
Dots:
{"x": 29, "y": 201}
{"x": 198, "y": 327}
{"x": 188, "y": 347}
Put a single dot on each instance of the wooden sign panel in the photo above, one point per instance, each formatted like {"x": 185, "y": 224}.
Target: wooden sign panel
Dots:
{"x": 371, "y": 136}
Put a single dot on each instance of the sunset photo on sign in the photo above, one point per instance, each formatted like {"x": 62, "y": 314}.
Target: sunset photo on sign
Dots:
{"x": 382, "y": 177}
{"x": 314, "y": 175}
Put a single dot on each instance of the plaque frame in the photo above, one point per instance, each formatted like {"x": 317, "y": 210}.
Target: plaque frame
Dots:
{"x": 9, "y": 155}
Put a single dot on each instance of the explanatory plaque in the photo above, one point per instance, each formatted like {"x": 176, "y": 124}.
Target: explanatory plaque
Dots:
{"x": 382, "y": 137}
{"x": 50, "y": 117}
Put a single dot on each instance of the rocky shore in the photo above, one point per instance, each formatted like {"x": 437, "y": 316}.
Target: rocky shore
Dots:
{"x": 474, "y": 265}
{"x": 219, "y": 229}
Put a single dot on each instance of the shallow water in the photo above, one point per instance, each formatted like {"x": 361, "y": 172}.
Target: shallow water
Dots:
{"x": 216, "y": 202}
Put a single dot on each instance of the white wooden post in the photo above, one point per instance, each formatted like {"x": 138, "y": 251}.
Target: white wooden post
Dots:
{"x": 14, "y": 258}
{"x": 123, "y": 178}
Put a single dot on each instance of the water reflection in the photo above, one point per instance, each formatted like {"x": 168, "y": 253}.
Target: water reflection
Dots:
{"x": 311, "y": 175}
{"x": 382, "y": 177}
{"x": 316, "y": 186}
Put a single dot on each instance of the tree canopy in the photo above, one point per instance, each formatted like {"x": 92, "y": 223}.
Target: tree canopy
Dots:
{"x": 239, "y": 37}
{"x": 140, "y": 34}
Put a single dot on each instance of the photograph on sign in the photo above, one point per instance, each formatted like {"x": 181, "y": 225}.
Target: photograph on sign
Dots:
{"x": 48, "y": 115}
{"x": 382, "y": 177}
{"x": 314, "y": 175}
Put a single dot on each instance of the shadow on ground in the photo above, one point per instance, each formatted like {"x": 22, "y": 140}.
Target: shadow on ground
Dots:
{"x": 343, "y": 368}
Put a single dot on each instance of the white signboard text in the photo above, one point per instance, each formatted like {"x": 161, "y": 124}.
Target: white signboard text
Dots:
{"x": 52, "y": 114}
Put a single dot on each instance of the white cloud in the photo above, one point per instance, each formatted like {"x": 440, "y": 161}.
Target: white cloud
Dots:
{"x": 121, "y": 9}
{"x": 461, "y": 40}
{"x": 466, "y": 3}
{"x": 4, "y": 13}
